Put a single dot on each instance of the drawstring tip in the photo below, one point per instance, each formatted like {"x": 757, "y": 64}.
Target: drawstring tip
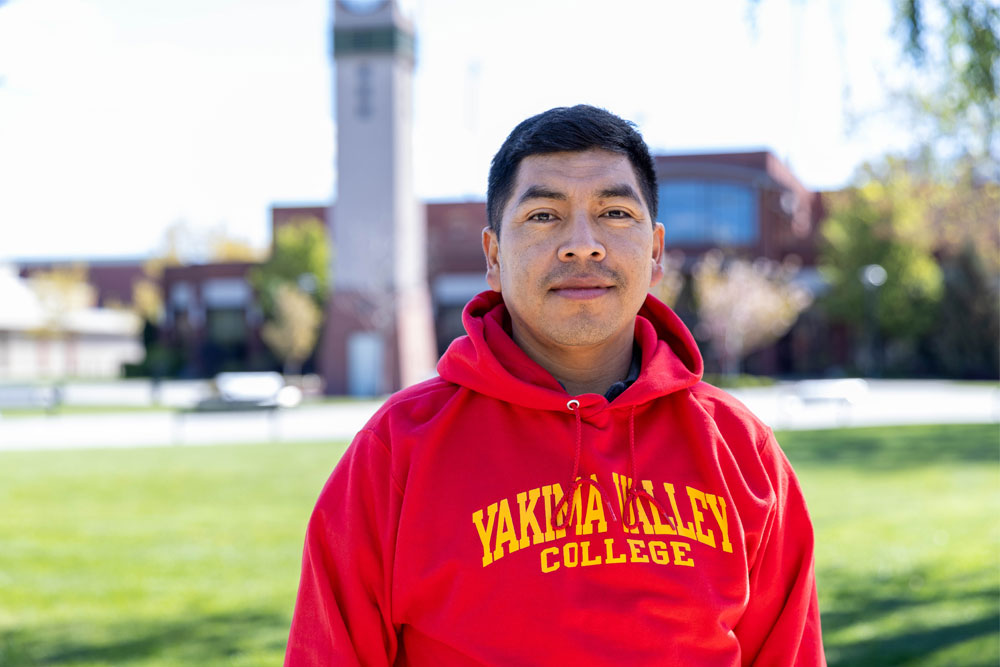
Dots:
{"x": 611, "y": 511}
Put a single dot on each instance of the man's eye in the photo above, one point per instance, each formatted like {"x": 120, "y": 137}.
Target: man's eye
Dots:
{"x": 542, "y": 216}
{"x": 618, "y": 213}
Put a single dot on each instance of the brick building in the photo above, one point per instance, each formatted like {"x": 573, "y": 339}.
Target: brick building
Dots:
{"x": 112, "y": 279}
{"x": 748, "y": 204}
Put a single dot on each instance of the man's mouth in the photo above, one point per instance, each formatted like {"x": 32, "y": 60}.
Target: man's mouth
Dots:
{"x": 582, "y": 288}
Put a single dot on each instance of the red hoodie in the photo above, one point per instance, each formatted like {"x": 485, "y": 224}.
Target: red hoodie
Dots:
{"x": 487, "y": 517}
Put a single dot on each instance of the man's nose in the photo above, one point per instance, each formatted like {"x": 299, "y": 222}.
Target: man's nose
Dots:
{"x": 583, "y": 241}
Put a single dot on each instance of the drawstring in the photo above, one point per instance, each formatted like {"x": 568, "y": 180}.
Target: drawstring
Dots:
{"x": 566, "y": 502}
{"x": 635, "y": 491}
{"x": 567, "y": 508}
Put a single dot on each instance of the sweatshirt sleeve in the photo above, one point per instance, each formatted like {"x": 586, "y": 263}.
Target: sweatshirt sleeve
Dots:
{"x": 342, "y": 612}
{"x": 781, "y": 624}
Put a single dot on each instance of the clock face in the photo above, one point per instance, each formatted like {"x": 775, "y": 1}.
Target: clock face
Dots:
{"x": 362, "y": 6}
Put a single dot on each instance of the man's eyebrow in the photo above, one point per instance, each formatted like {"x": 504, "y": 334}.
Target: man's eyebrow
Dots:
{"x": 540, "y": 192}
{"x": 622, "y": 190}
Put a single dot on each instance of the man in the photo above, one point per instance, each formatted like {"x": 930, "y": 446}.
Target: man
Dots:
{"x": 567, "y": 491}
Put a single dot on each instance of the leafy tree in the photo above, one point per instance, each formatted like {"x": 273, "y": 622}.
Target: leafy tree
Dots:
{"x": 300, "y": 256}
{"x": 880, "y": 222}
{"x": 61, "y": 291}
{"x": 184, "y": 244}
{"x": 952, "y": 50}
{"x": 870, "y": 224}
{"x": 292, "y": 332}
{"x": 955, "y": 47}
{"x": 225, "y": 248}
{"x": 964, "y": 340}
{"x": 743, "y": 306}
{"x": 961, "y": 212}
{"x": 937, "y": 236}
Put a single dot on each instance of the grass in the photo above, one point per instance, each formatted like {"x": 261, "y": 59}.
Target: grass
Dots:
{"x": 739, "y": 381}
{"x": 86, "y": 409}
{"x": 160, "y": 556}
{"x": 908, "y": 552}
{"x": 182, "y": 556}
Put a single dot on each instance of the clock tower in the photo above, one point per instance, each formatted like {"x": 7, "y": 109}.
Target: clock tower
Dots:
{"x": 379, "y": 330}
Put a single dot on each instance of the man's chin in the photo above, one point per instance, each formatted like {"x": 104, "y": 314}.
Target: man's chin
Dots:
{"x": 583, "y": 332}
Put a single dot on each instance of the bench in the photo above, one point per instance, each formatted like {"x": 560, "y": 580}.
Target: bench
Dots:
{"x": 250, "y": 391}
{"x": 26, "y": 396}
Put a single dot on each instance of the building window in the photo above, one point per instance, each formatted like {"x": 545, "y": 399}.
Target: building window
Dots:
{"x": 705, "y": 212}
{"x": 226, "y": 326}
{"x": 364, "y": 98}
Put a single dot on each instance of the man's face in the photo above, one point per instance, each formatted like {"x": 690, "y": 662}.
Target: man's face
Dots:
{"x": 577, "y": 251}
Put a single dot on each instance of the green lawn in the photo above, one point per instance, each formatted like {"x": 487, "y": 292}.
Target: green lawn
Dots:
{"x": 189, "y": 556}
{"x": 908, "y": 530}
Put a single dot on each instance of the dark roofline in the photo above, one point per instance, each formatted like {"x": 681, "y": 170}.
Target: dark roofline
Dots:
{"x": 35, "y": 262}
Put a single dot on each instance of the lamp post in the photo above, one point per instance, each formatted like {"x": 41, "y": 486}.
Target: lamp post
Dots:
{"x": 872, "y": 277}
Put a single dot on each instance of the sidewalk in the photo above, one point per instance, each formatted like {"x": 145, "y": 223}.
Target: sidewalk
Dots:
{"x": 784, "y": 406}
{"x": 798, "y": 406}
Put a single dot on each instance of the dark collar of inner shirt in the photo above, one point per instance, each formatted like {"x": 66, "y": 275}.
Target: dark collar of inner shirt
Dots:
{"x": 615, "y": 390}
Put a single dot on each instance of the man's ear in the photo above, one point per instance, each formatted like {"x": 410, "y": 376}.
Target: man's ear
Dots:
{"x": 491, "y": 248}
{"x": 657, "y": 274}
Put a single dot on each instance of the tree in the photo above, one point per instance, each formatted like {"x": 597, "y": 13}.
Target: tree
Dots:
{"x": 950, "y": 94}
{"x": 964, "y": 340}
{"x": 955, "y": 47}
{"x": 292, "y": 332}
{"x": 61, "y": 291}
{"x": 300, "y": 256}
{"x": 184, "y": 244}
{"x": 743, "y": 306}
{"x": 880, "y": 221}
{"x": 936, "y": 235}
{"x": 224, "y": 248}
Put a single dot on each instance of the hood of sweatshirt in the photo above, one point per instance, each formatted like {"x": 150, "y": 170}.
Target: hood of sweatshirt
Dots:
{"x": 488, "y": 361}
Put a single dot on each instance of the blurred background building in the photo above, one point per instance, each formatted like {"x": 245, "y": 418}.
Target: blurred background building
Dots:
{"x": 367, "y": 290}
{"x": 749, "y": 204}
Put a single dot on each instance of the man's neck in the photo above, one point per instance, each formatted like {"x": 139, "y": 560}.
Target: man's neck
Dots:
{"x": 582, "y": 369}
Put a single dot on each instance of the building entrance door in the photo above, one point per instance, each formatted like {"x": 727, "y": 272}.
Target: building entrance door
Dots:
{"x": 365, "y": 364}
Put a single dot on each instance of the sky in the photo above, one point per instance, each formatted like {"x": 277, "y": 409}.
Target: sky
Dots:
{"x": 119, "y": 118}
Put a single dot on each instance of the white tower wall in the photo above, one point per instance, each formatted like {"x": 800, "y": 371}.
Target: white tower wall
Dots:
{"x": 379, "y": 227}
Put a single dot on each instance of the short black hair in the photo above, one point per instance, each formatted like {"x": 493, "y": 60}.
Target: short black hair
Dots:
{"x": 579, "y": 128}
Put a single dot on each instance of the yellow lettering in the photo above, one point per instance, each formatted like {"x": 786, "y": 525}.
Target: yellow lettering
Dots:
{"x": 684, "y": 529}
{"x": 546, "y": 566}
{"x": 571, "y": 554}
{"x": 636, "y": 547}
{"x": 681, "y": 558}
{"x": 595, "y": 512}
{"x": 718, "y": 506}
{"x": 526, "y": 513}
{"x": 622, "y": 485}
{"x": 552, "y": 494}
{"x": 705, "y": 537}
{"x": 609, "y": 555}
{"x": 585, "y": 558}
{"x": 576, "y": 511}
{"x": 659, "y": 553}
{"x": 485, "y": 533}
{"x": 647, "y": 525}
{"x": 505, "y": 532}
{"x": 659, "y": 527}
